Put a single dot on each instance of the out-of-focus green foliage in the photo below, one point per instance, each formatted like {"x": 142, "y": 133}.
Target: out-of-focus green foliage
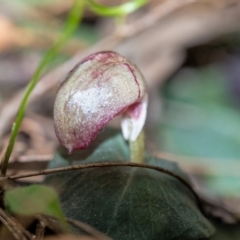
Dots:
{"x": 32, "y": 200}
{"x": 201, "y": 121}
{"x": 121, "y": 10}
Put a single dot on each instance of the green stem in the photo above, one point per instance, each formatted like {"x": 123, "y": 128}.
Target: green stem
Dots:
{"x": 123, "y": 9}
{"x": 137, "y": 148}
{"x": 71, "y": 24}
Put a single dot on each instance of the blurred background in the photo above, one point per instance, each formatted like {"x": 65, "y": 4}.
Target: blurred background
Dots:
{"x": 189, "y": 53}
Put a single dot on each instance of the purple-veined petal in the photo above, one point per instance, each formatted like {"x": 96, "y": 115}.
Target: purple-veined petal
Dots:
{"x": 100, "y": 87}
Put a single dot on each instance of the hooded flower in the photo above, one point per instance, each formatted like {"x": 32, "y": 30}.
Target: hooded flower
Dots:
{"x": 101, "y": 86}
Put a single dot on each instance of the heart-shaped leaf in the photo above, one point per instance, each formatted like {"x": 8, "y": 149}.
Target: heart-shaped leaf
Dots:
{"x": 128, "y": 202}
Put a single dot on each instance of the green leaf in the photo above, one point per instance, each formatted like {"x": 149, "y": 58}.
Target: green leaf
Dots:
{"x": 128, "y": 202}
{"x": 32, "y": 200}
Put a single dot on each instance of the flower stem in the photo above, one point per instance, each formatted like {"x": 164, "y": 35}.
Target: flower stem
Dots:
{"x": 137, "y": 148}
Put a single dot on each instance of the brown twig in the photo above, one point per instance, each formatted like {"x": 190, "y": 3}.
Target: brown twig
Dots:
{"x": 51, "y": 223}
{"x": 40, "y": 230}
{"x": 15, "y": 228}
{"x": 94, "y": 232}
{"x": 153, "y": 16}
{"x": 102, "y": 164}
